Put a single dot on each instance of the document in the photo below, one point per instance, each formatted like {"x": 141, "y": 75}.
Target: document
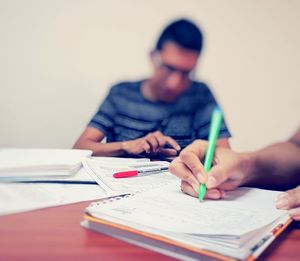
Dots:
{"x": 39, "y": 164}
{"x": 233, "y": 226}
{"x": 102, "y": 172}
{"x": 18, "y": 197}
{"x": 35, "y": 178}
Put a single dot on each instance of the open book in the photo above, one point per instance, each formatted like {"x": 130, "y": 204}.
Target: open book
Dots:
{"x": 166, "y": 220}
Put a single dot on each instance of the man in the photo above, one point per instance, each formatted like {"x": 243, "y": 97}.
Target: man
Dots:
{"x": 276, "y": 167}
{"x": 162, "y": 114}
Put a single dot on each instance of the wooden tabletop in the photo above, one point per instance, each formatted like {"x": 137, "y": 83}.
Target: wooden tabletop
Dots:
{"x": 55, "y": 234}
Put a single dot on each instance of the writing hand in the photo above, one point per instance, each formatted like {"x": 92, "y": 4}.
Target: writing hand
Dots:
{"x": 228, "y": 171}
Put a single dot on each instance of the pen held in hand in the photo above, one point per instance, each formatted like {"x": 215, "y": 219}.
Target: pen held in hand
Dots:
{"x": 215, "y": 125}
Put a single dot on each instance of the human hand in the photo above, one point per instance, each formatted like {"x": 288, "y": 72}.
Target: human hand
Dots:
{"x": 228, "y": 172}
{"x": 153, "y": 143}
{"x": 290, "y": 200}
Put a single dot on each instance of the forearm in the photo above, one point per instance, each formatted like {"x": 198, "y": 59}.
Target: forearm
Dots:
{"x": 111, "y": 149}
{"x": 276, "y": 166}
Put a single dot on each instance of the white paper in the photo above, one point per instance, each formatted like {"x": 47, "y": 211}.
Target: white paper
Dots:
{"x": 32, "y": 164}
{"x": 168, "y": 209}
{"x": 17, "y": 197}
{"x": 103, "y": 171}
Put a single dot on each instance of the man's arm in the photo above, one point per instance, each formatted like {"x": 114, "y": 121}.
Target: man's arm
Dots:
{"x": 90, "y": 139}
{"x": 152, "y": 143}
{"x": 276, "y": 166}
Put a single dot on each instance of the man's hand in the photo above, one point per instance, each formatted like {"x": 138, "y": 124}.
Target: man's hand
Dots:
{"x": 153, "y": 144}
{"x": 228, "y": 172}
{"x": 290, "y": 200}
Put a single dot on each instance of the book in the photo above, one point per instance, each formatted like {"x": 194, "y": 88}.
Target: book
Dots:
{"x": 18, "y": 164}
{"x": 238, "y": 227}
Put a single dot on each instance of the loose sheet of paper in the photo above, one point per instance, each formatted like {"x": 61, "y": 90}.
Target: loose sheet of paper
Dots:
{"x": 168, "y": 209}
{"x": 102, "y": 172}
{"x": 17, "y": 197}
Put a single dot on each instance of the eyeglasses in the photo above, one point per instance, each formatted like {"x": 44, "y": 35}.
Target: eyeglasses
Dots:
{"x": 169, "y": 69}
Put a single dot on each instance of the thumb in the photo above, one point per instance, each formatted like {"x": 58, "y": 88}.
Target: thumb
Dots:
{"x": 216, "y": 177}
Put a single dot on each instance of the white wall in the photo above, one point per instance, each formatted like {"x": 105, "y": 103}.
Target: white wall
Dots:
{"x": 58, "y": 59}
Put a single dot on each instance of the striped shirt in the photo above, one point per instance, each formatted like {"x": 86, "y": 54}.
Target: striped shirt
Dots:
{"x": 125, "y": 114}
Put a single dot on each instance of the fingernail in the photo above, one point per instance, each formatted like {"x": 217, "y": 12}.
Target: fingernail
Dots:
{"x": 282, "y": 203}
{"x": 213, "y": 194}
{"x": 178, "y": 148}
{"x": 196, "y": 186}
{"x": 211, "y": 182}
{"x": 201, "y": 178}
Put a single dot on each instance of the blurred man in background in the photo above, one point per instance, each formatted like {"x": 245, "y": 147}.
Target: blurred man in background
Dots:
{"x": 162, "y": 114}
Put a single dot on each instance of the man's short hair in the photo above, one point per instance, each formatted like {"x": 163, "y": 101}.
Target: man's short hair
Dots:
{"x": 183, "y": 33}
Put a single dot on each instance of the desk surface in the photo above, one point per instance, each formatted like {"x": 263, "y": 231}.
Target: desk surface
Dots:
{"x": 55, "y": 233}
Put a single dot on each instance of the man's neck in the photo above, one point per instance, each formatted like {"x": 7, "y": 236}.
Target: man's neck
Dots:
{"x": 147, "y": 91}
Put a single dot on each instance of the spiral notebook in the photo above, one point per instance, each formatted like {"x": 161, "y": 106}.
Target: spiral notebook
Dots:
{"x": 238, "y": 227}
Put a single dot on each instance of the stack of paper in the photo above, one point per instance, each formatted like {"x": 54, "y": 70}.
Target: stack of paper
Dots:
{"x": 239, "y": 226}
{"x": 35, "y": 164}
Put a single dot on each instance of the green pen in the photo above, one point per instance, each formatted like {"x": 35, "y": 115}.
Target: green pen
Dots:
{"x": 215, "y": 125}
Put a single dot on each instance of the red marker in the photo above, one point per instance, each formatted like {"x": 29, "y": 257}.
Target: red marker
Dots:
{"x": 139, "y": 173}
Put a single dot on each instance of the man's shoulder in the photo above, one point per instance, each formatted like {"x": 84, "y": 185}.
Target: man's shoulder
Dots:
{"x": 199, "y": 89}
{"x": 198, "y": 86}
{"x": 125, "y": 87}
{"x": 199, "y": 94}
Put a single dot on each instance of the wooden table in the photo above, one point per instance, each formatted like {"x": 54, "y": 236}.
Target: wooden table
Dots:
{"x": 55, "y": 234}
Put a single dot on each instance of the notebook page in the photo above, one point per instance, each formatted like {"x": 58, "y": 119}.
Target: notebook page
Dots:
{"x": 168, "y": 209}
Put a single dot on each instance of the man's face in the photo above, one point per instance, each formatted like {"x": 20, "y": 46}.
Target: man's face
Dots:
{"x": 173, "y": 67}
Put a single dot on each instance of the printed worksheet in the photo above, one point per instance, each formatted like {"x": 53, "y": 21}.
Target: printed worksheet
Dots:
{"x": 102, "y": 172}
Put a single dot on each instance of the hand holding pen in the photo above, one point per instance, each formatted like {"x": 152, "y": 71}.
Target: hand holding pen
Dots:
{"x": 188, "y": 166}
{"x": 227, "y": 173}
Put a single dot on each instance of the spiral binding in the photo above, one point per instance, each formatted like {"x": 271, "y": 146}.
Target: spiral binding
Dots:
{"x": 109, "y": 200}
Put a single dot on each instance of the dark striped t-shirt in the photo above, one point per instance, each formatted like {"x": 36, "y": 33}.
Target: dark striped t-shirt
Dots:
{"x": 126, "y": 115}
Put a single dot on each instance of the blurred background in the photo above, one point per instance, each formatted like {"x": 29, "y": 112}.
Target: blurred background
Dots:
{"x": 58, "y": 59}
